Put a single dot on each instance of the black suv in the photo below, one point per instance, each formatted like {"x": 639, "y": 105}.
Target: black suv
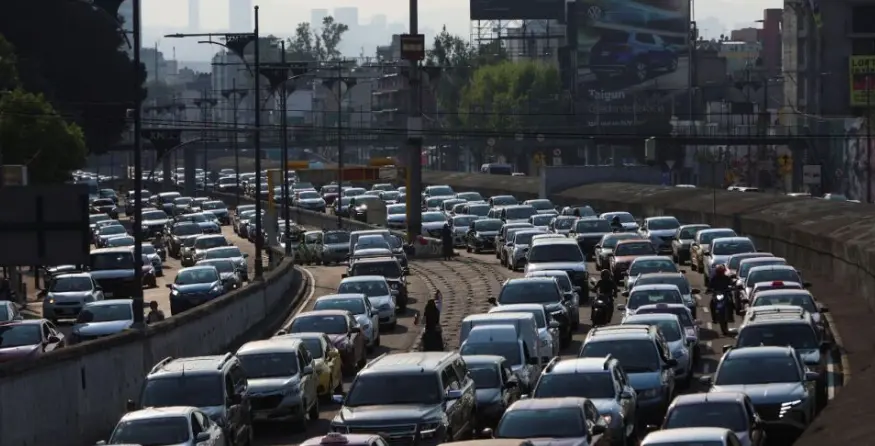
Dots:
{"x": 388, "y": 267}
{"x": 215, "y": 384}
{"x": 411, "y": 398}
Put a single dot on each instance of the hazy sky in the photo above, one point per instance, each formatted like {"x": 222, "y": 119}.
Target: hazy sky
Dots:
{"x": 280, "y": 16}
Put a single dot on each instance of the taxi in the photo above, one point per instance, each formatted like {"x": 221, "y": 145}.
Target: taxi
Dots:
{"x": 328, "y": 365}
{"x": 339, "y": 439}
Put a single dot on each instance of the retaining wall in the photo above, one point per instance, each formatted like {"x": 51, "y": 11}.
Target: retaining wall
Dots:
{"x": 835, "y": 240}
{"x": 77, "y": 394}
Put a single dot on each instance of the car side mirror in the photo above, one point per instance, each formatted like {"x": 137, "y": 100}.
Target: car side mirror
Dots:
{"x": 202, "y": 437}
{"x": 598, "y": 429}
{"x": 811, "y": 376}
{"x": 621, "y": 307}
{"x": 625, "y": 395}
{"x": 453, "y": 394}
{"x": 169, "y": 285}
{"x": 130, "y": 406}
{"x": 822, "y": 308}
{"x": 706, "y": 380}
{"x": 492, "y": 301}
{"x": 486, "y": 433}
{"x": 53, "y": 339}
{"x": 727, "y": 347}
{"x": 245, "y": 255}
{"x": 308, "y": 370}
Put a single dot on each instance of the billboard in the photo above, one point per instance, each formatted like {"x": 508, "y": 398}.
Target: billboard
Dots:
{"x": 862, "y": 82}
{"x": 517, "y": 9}
{"x": 631, "y": 58}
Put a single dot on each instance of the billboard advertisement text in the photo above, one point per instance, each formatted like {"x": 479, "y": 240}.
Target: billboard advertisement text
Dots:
{"x": 628, "y": 49}
{"x": 862, "y": 80}
{"x": 517, "y": 9}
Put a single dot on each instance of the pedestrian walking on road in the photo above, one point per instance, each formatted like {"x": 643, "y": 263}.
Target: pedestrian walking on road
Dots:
{"x": 432, "y": 335}
{"x": 447, "y": 242}
{"x": 155, "y": 315}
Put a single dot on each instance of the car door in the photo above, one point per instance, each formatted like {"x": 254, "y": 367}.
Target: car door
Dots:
{"x": 202, "y": 423}
{"x": 373, "y": 315}
{"x": 469, "y": 394}
{"x": 358, "y": 338}
{"x": 593, "y": 419}
{"x": 308, "y": 382}
{"x": 453, "y": 408}
{"x": 753, "y": 422}
{"x": 238, "y": 409}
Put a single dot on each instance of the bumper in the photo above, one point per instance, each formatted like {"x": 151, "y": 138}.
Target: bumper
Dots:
{"x": 482, "y": 244}
{"x": 55, "y": 311}
{"x": 276, "y": 408}
{"x": 387, "y": 316}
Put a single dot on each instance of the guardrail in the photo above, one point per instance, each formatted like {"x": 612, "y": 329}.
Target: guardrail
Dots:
{"x": 829, "y": 238}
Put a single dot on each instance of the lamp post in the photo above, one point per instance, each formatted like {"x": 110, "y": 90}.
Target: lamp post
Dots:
{"x": 237, "y": 42}
{"x": 205, "y": 104}
{"x": 137, "y": 298}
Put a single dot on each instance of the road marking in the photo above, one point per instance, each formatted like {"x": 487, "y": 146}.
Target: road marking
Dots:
{"x": 310, "y": 294}
{"x": 830, "y": 378}
{"x": 837, "y": 337}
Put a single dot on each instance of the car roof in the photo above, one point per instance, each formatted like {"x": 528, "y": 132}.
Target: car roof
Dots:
{"x": 762, "y": 351}
{"x": 546, "y": 273}
{"x": 784, "y": 284}
{"x": 761, "y": 259}
{"x": 783, "y": 291}
{"x": 556, "y": 241}
{"x": 711, "y": 230}
{"x": 270, "y": 345}
{"x": 655, "y": 286}
{"x": 343, "y": 313}
{"x": 661, "y": 306}
{"x": 369, "y": 278}
{"x": 705, "y": 397}
{"x": 158, "y": 412}
{"x": 528, "y": 279}
{"x": 661, "y": 274}
{"x": 633, "y": 241}
{"x": 377, "y": 259}
{"x": 193, "y": 268}
{"x": 193, "y": 364}
{"x": 613, "y": 332}
{"x": 661, "y": 217}
{"x": 511, "y": 308}
{"x": 340, "y": 296}
{"x": 72, "y": 275}
{"x": 653, "y": 257}
{"x": 126, "y": 249}
{"x": 107, "y": 302}
{"x": 686, "y": 434}
{"x": 482, "y": 359}
{"x": 580, "y": 365}
{"x": 547, "y": 403}
{"x": 771, "y": 268}
{"x": 408, "y": 362}
{"x": 731, "y": 239}
{"x": 651, "y": 316}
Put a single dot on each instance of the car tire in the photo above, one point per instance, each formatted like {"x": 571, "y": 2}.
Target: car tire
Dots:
{"x": 672, "y": 65}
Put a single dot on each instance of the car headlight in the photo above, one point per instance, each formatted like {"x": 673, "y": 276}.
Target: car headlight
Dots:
{"x": 216, "y": 289}
{"x": 651, "y": 393}
{"x": 786, "y": 407}
{"x": 430, "y": 428}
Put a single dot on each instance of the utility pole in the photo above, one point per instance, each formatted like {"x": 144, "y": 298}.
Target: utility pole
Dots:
{"x": 137, "y": 297}
{"x": 259, "y": 262}
{"x": 284, "y": 132}
{"x": 868, "y": 138}
{"x": 339, "y": 138}
{"x": 235, "y": 143}
{"x": 413, "y": 49}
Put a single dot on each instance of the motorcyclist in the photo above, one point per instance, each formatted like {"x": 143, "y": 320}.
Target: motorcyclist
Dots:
{"x": 720, "y": 284}
{"x": 616, "y": 225}
{"x": 606, "y": 289}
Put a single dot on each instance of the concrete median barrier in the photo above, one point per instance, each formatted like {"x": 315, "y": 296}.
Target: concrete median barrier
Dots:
{"x": 834, "y": 240}
{"x": 74, "y": 396}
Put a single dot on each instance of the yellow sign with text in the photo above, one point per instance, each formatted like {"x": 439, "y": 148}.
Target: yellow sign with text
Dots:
{"x": 862, "y": 83}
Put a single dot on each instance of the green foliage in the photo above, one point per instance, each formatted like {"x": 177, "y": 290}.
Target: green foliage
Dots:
{"x": 313, "y": 45}
{"x": 33, "y": 134}
{"x": 75, "y": 59}
{"x": 8, "y": 66}
{"x": 512, "y": 96}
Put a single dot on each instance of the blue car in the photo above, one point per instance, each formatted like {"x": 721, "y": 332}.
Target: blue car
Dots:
{"x": 636, "y": 56}
{"x": 194, "y": 286}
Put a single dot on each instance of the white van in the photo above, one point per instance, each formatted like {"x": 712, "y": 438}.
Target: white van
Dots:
{"x": 526, "y": 326}
{"x": 502, "y": 340}
{"x": 548, "y": 329}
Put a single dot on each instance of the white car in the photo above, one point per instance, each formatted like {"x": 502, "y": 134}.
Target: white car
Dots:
{"x": 541, "y": 221}
{"x": 649, "y": 295}
{"x": 378, "y": 292}
{"x": 460, "y": 224}
{"x": 548, "y": 329}
{"x": 360, "y": 306}
{"x": 176, "y": 425}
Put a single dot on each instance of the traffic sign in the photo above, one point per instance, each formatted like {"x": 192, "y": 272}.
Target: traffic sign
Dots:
{"x": 557, "y": 152}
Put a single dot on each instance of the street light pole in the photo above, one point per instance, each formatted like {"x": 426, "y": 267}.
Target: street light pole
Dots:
{"x": 414, "y": 138}
{"x": 284, "y": 146}
{"x": 339, "y": 138}
{"x": 137, "y": 297}
{"x": 259, "y": 263}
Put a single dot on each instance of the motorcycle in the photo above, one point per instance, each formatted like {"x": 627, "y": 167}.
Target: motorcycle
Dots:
{"x": 601, "y": 310}
{"x": 720, "y": 310}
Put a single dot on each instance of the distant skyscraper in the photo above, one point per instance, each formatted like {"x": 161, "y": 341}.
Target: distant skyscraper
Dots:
{"x": 240, "y": 14}
{"x": 194, "y": 15}
{"x": 316, "y": 16}
{"x": 347, "y": 16}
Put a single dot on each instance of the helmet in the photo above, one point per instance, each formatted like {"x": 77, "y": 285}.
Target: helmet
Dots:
{"x": 606, "y": 274}
{"x": 721, "y": 270}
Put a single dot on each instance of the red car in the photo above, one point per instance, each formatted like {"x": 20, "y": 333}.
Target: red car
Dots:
{"x": 343, "y": 331}
{"x": 28, "y": 339}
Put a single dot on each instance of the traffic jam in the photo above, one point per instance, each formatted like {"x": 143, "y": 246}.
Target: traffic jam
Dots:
{"x": 617, "y": 330}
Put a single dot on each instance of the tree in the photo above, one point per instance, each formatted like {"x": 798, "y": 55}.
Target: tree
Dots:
{"x": 330, "y": 36}
{"x": 512, "y": 96}
{"x": 74, "y": 58}
{"x": 8, "y": 61}
{"x": 313, "y": 45}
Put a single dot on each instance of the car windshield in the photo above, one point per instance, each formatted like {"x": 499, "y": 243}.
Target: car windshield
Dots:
{"x": 112, "y": 260}
{"x": 773, "y": 275}
{"x": 529, "y": 292}
{"x": 71, "y": 284}
{"x": 682, "y": 313}
{"x": 678, "y": 281}
{"x": 733, "y": 247}
{"x": 328, "y": 324}
{"x": 371, "y": 241}
{"x": 485, "y": 376}
{"x": 182, "y": 201}
{"x": 19, "y": 335}
{"x": 353, "y": 305}
{"x": 370, "y": 288}
{"x": 105, "y": 313}
{"x": 561, "y": 422}
{"x": 611, "y": 241}
{"x": 440, "y": 191}
{"x": 197, "y": 275}
{"x": 480, "y": 210}
{"x": 599, "y": 385}
{"x": 154, "y": 215}
{"x": 331, "y": 238}
{"x": 224, "y": 253}
{"x": 389, "y": 269}
{"x": 652, "y": 266}
{"x": 670, "y": 329}
{"x": 745, "y": 267}
{"x": 650, "y": 297}
{"x": 663, "y": 224}
{"x": 271, "y": 365}
{"x": 563, "y": 223}
{"x": 707, "y": 237}
{"x": 735, "y": 260}
{"x": 469, "y": 196}
{"x": 194, "y": 218}
{"x": 152, "y": 431}
{"x": 592, "y": 226}
{"x": 390, "y": 195}
{"x": 431, "y": 217}
{"x": 435, "y": 202}
{"x": 541, "y": 219}
{"x": 111, "y": 230}
{"x": 487, "y": 225}
{"x": 377, "y": 389}
{"x": 541, "y": 205}
{"x": 508, "y": 350}
{"x": 524, "y": 238}
{"x": 396, "y": 209}
{"x": 801, "y": 300}
{"x": 209, "y": 242}
{"x": 309, "y": 195}
{"x": 504, "y": 200}
{"x": 95, "y": 218}
{"x": 555, "y": 252}
{"x": 689, "y": 232}
{"x": 624, "y": 217}
{"x": 634, "y": 249}
{"x": 798, "y": 336}
{"x": 636, "y": 356}
{"x": 583, "y": 211}
{"x": 464, "y": 221}
{"x": 314, "y": 346}
{"x": 757, "y": 369}
{"x": 169, "y": 198}
{"x": 197, "y": 390}
{"x": 729, "y": 415}
{"x": 561, "y": 278}
{"x": 520, "y": 213}
{"x": 223, "y": 266}
{"x": 118, "y": 242}
{"x": 186, "y": 229}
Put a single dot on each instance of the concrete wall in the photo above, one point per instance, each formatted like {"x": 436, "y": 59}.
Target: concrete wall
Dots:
{"x": 831, "y": 239}
{"x": 76, "y": 395}
{"x": 559, "y": 178}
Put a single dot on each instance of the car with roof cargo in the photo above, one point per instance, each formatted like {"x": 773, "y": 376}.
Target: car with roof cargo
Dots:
{"x": 481, "y": 235}
{"x": 797, "y": 298}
